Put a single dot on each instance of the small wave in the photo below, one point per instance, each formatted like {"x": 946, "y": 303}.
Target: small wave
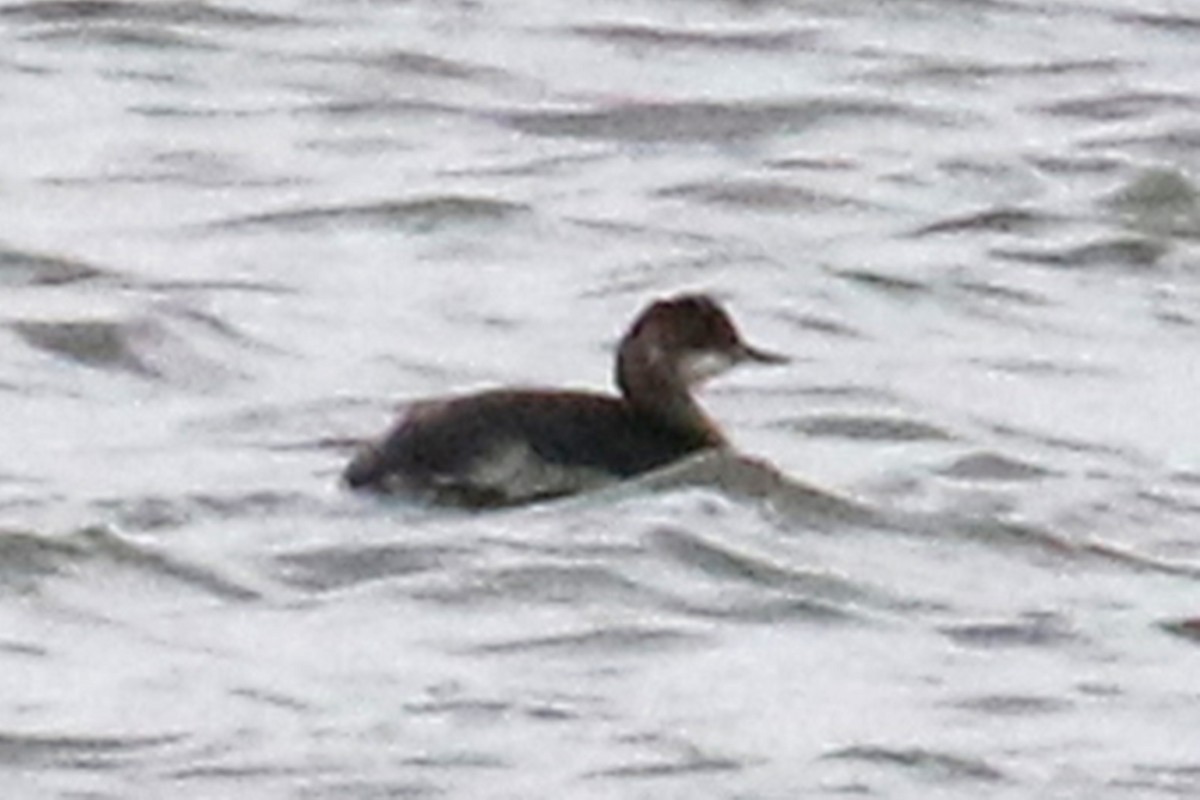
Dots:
{"x": 1173, "y": 142}
{"x": 29, "y": 560}
{"x": 1013, "y": 705}
{"x": 993, "y": 220}
{"x": 702, "y": 121}
{"x": 956, "y": 70}
{"x": 658, "y": 37}
{"x": 1178, "y": 779}
{"x": 1115, "y": 251}
{"x": 168, "y": 347}
{"x": 173, "y": 341}
{"x": 715, "y": 559}
{"x": 892, "y": 285}
{"x": 930, "y": 763}
{"x": 331, "y": 568}
{"x": 95, "y": 343}
{"x": 699, "y": 763}
{"x": 1181, "y": 24}
{"x": 760, "y": 483}
{"x": 1007, "y": 294}
{"x": 723, "y": 562}
{"x": 545, "y": 583}
{"x": 117, "y": 549}
{"x": 866, "y": 427}
{"x": 164, "y": 513}
{"x": 826, "y": 326}
{"x": 452, "y": 702}
{"x": 75, "y": 751}
{"x": 1030, "y": 630}
{"x": 1041, "y": 439}
{"x": 757, "y": 195}
{"x": 767, "y": 610}
{"x": 416, "y": 64}
{"x": 1139, "y": 561}
{"x": 442, "y": 761}
{"x": 232, "y": 285}
{"x": 1077, "y": 164}
{"x": 614, "y": 639}
{"x": 92, "y": 11}
{"x": 1009, "y": 534}
{"x": 126, "y": 37}
{"x": 421, "y": 214}
{"x": 1121, "y": 106}
{"x": 185, "y": 167}
{"x": 23, "y": 268}
{"x": 993, "y": 467}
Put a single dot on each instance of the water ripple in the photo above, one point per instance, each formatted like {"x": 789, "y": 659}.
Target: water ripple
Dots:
{"x": 929, "y": 763}
{"x": 868, "y": 427}
{"x": 177, "y": 345}
{"x": 994, "y": 220}
{"x": 83, "y": 752}
{"x": 331, "y": 568}
{"x": 424, "y": 214}
{"x": 720, "y": 561}
{"x": 633, "y": 640}
{"x": 30, "y": 560}
{"x": 757, "y": 195}
{"x": 72, "y": 11}
{"x": 1116, "y": 251}
{"x": 24, "y": 268}
{"x": 719, "y": 40}
{"x": 986, "y": 466}
{"x": 94, "y": 343}
{"x": 1034, "y": 630}
{"x": 1129, "y": 105}
{"x": 705, "y": 121}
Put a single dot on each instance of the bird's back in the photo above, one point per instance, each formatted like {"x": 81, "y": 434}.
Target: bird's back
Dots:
{"x": 503, "y": 447}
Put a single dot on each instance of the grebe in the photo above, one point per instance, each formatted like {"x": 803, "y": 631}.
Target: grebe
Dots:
{"x": 503, "y": 447}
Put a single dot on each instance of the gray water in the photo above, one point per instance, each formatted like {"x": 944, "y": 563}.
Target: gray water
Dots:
{"x": 959, "y": 558}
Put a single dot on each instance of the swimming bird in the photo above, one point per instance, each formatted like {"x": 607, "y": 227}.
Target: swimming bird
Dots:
{"x": 509, "y": 446}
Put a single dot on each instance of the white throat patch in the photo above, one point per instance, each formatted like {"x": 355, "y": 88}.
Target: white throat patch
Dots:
{"x": 699, "y": 366}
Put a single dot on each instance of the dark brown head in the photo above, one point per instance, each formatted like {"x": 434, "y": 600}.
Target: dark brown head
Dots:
{"x": 678, "y": 343}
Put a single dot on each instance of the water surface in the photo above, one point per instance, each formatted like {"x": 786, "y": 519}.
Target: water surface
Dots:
{"x": 960, "y": 557}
